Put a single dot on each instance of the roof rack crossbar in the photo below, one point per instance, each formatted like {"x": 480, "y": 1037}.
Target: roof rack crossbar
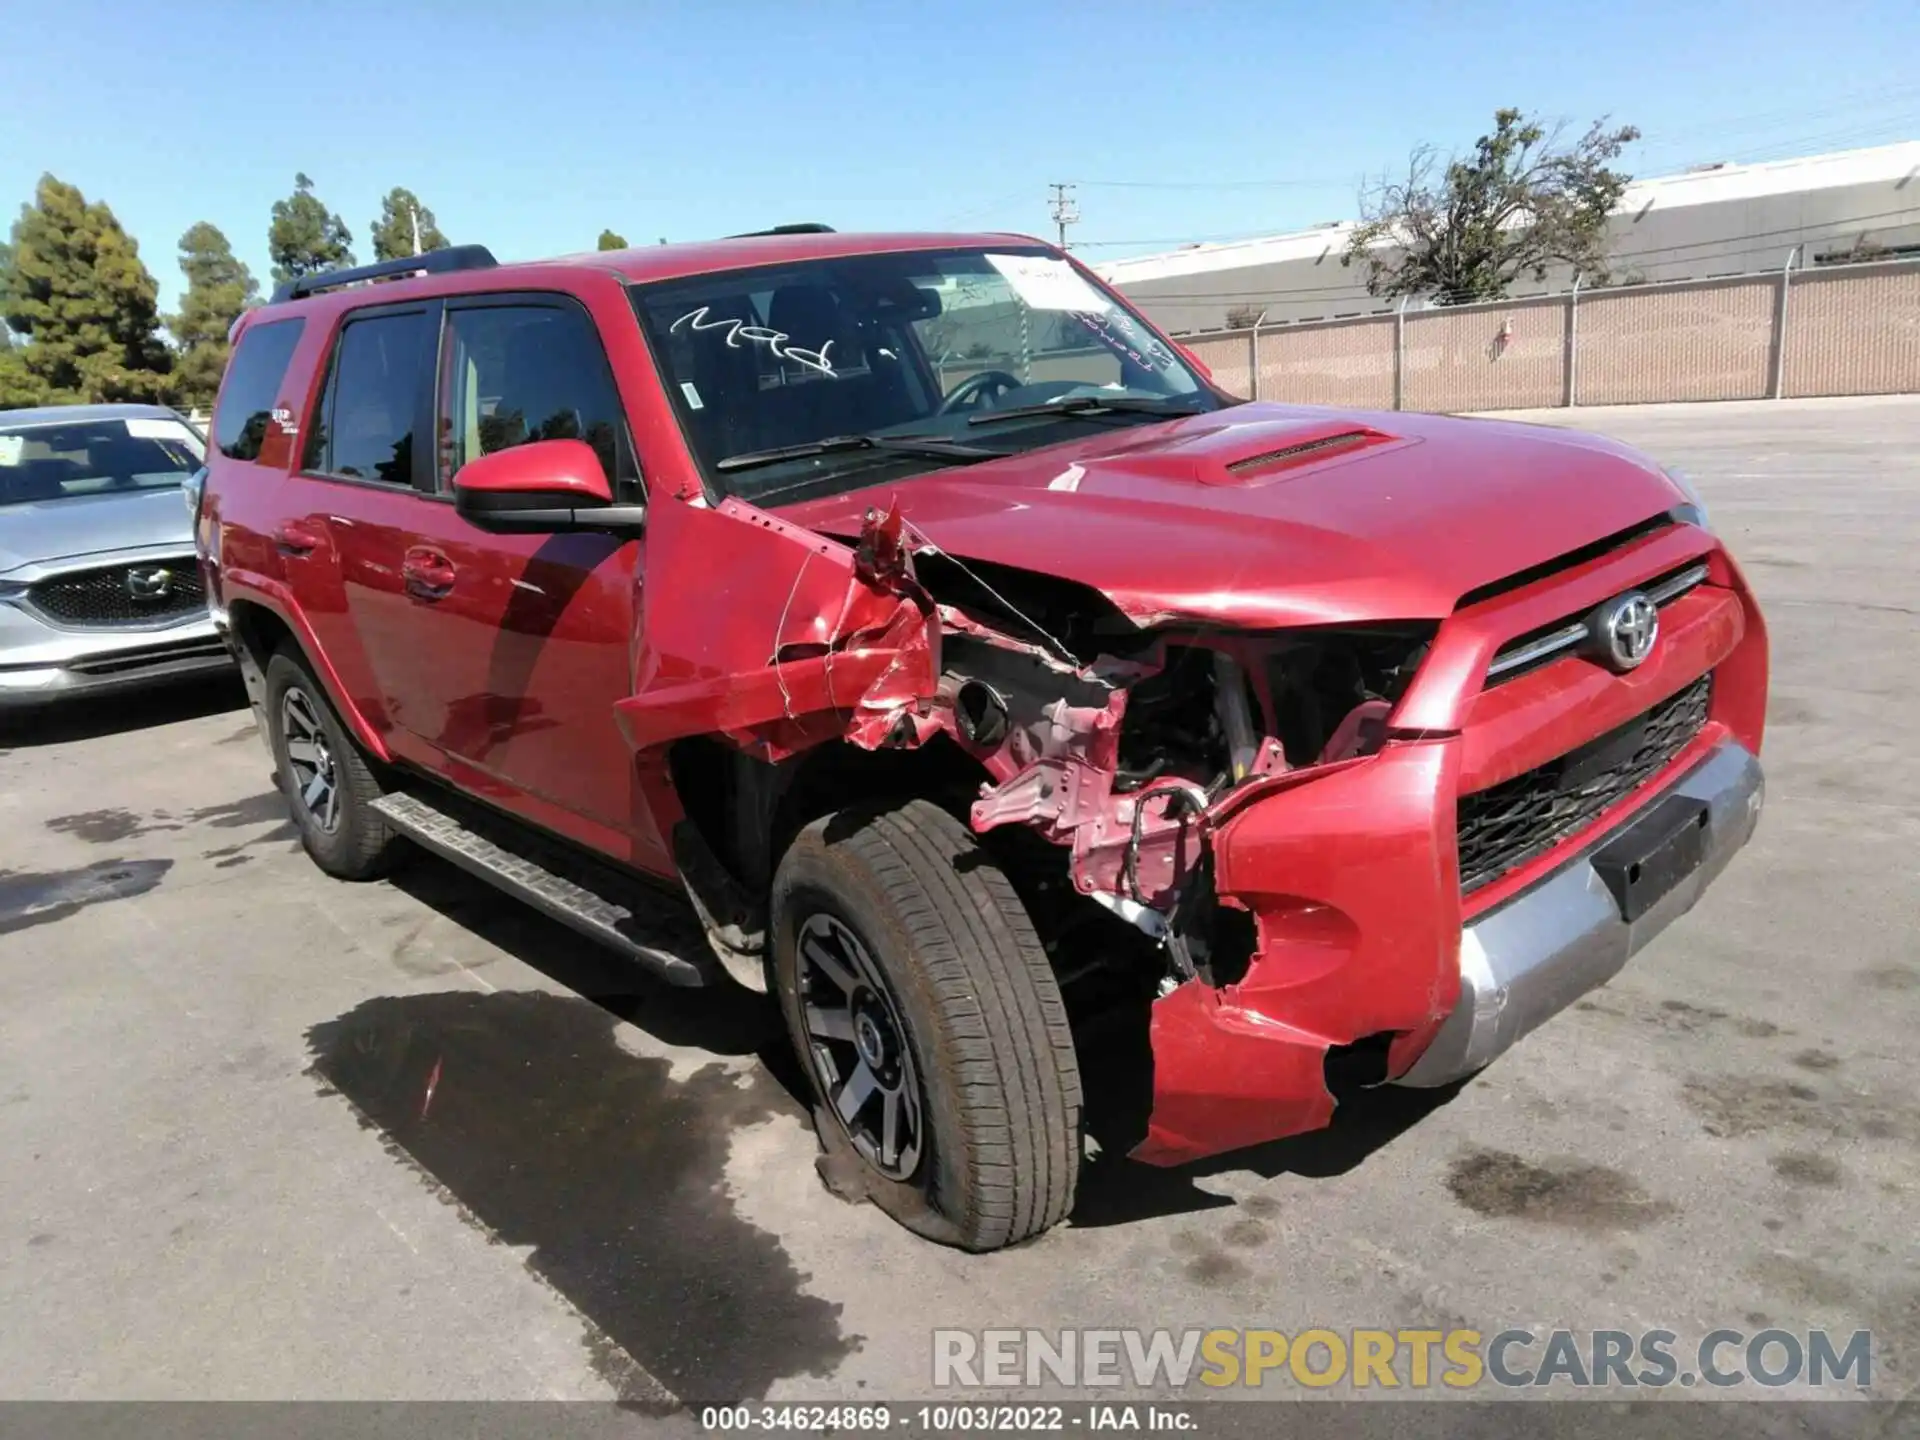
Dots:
{"x": 434, "y": 262}
{"x": 803, "y": 227}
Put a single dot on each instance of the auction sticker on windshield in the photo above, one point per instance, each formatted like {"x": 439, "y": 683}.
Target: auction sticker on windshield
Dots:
{"x": 1045, "y": 283}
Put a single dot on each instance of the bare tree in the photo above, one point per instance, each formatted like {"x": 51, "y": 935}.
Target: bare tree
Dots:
{"x": 1465, "y": 230}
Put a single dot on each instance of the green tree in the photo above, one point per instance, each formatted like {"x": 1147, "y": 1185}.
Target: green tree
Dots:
{"x": 77, "y": 290}
{"x": 1524, "y": 199}
{"x": 19, "y": 386}
{"x": 219, "y": 287}
{"x": 393, "y": 233}
{"x": 305, "y": 236}
{"x": 610, "y": 240}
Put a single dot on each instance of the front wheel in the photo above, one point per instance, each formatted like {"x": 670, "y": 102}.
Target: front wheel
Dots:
{"x": 928, "y": 1019}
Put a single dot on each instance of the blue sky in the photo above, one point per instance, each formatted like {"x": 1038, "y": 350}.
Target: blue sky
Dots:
{"x": 530, "y": 126}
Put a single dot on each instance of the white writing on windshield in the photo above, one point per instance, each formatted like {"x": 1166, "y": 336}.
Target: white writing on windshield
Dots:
{"x": 697, "y": 322}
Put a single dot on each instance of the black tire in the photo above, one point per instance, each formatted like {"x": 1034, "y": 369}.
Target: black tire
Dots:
{"x": 347, "y": 839}
{"x": 984, "y": 1027}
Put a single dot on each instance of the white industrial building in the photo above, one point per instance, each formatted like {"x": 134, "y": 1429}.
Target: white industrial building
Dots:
{"x": 1710, "y": 220}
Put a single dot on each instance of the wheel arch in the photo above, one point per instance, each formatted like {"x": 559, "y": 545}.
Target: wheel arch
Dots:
{"x": 748, "y": 810}
{"x": 259, "y": 628}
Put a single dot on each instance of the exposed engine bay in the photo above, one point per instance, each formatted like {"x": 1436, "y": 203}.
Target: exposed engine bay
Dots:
{"x": 1112, "y": 742}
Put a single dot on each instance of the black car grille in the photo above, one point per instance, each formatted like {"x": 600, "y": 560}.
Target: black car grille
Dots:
{"x": 1510, "y": 823}
{"x": 150, "y": 593}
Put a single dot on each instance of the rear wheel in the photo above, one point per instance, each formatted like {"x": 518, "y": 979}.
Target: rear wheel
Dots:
{"x": 929, "y": 1022}
{"x": 328, "y": 784}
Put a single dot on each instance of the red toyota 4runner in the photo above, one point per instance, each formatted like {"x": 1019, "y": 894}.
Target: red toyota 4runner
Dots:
{"x": 1032, "y": 718}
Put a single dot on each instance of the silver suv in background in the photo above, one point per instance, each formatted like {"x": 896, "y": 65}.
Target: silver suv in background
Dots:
{"x": 99, "y": 585}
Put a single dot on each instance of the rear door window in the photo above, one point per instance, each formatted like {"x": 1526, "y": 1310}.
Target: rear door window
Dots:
{"x": 365, "y": 429}
{"x": 252, "y": 382}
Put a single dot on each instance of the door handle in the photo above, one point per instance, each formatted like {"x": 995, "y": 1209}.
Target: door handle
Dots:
{"x": 297, "y": 537}
{"x": 426, "y": 572}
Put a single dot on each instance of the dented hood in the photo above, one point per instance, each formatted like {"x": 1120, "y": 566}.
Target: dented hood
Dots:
{"x": 1272, "y": 515}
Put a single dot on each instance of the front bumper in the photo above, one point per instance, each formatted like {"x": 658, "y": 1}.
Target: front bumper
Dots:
{"x": 48, "y": 665}
{"x": 1543, "y": 949}
{"x": 1362, "y": 936}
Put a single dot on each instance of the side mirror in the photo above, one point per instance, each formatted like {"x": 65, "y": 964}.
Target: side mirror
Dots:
{"x": 540, "y": 488}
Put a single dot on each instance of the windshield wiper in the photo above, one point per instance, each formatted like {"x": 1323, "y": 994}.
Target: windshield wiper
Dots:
{"x": 1087, "y": 405}
{"x": 926, "y": 447}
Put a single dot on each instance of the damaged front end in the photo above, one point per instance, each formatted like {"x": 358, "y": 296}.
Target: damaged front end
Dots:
{"x": 1222, "y": 795}
{"x": 1227, "y": 852}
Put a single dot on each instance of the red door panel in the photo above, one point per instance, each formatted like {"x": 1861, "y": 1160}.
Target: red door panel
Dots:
{"x": 502, "y": 658}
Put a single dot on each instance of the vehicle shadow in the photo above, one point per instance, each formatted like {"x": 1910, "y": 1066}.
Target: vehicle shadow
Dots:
{"x": 727, "y": 1020}
{"x": 1117, "y": 1191}
{"x": 604, "y": 1164}
{"x": 88, "y": 717}
{"x": 724, "y": 1019}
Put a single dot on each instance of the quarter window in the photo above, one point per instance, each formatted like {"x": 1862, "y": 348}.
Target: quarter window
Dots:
{"x": 513, "y": 374}
{"x": 365, "y": 427}
{"x": 254, "y": 374}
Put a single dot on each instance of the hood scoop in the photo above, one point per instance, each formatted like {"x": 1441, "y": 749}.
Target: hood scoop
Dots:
{"x": 1307, "y": 447}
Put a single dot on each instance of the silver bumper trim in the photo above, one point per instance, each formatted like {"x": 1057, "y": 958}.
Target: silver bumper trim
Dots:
{"x": 1527, "y": 960}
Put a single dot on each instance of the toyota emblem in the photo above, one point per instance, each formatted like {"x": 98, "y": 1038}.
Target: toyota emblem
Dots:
{"x": 1625, "y": 628}
{"x": 154, "y": 583}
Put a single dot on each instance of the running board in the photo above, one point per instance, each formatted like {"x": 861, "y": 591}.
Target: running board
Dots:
{"x": 626, "y": 915}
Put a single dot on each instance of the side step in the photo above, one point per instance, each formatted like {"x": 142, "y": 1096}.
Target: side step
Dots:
{"x": 627, "y": 915}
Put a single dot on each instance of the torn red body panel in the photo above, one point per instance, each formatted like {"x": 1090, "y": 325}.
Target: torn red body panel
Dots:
{"x": 1357, "y": 910}
{"x": 802, "y": 640}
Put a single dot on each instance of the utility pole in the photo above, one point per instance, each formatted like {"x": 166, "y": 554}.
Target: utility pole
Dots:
{"x": 1066, "y": 210}
{"x": 414, "y": 211}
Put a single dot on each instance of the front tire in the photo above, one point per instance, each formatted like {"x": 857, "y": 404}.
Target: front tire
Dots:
{"x": 927, "y": 1017}
{"x": 328, "y": 784}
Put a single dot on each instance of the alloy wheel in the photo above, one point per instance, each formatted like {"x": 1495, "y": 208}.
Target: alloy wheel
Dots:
{"x": 858, "y": 1047}
{"x": 316, "y": 777}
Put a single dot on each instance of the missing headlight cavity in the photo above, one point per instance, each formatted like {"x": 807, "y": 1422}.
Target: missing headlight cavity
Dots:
{"x": 1318, "y": 679}
{"x": 1172, "y": 725}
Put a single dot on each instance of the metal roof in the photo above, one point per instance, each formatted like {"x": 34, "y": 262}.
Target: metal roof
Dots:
{"x": 1698, "y": 186}
{"x": 65, "y": 414}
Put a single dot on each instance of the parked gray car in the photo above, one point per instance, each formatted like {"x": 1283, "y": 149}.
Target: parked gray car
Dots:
{"x": 99, "y": 585}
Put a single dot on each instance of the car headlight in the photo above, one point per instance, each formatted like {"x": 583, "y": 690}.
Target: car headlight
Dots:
{"x": 191, "y": 489}
{"x": 1694, "y": 512}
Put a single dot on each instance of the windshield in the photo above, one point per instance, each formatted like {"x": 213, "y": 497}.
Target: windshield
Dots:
{"x": 67, "y": 459}
{"x": 998, "y": 351}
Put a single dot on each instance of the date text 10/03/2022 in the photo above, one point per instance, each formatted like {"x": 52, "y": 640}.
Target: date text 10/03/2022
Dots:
{"x": 946, "y": 1418}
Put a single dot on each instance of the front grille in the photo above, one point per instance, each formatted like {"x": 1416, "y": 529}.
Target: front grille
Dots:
{"x": 1548, "y": 643}
{"x": 120, "y": 596}
{"x": 1509, "y": 824}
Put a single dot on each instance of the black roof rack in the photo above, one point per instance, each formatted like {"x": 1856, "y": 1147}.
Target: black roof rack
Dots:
{"x": 434, "y": 262}
{"x": 803, "y": 227}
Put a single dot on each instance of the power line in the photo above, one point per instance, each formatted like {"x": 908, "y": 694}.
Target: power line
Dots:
{"x": 1178, "y": 240}
{"x": 1845, "y": 104}
{"x": 1305, "y": 184}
